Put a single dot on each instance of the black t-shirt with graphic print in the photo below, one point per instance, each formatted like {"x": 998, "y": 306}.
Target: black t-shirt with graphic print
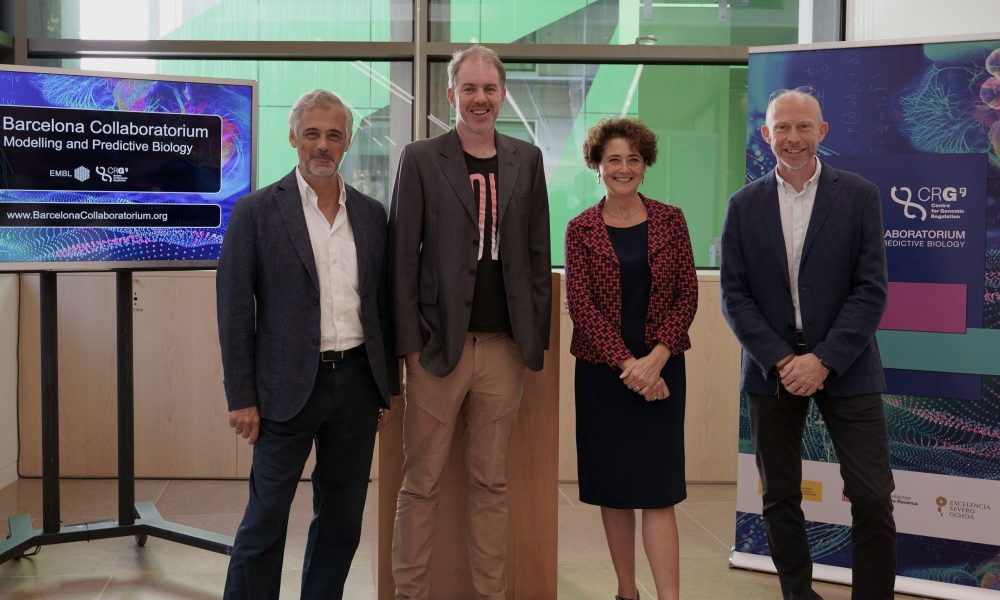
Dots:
{"x": 489, "y": 301}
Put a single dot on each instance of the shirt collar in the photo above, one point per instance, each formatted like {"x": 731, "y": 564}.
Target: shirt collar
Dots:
{"x": 309, "y": 195}
{"x": 809, "y": 183}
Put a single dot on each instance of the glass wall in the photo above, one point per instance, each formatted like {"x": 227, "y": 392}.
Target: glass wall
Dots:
{"x": 698, "y": 113}
{"x": 378, "y": 94}
{"x": 668, "y": 22}
{"x": 697, "y": 110}
{"x": 273, "y": 20}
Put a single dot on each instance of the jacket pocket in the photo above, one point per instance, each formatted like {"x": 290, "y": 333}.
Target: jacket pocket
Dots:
{"x": 428, "y": 293}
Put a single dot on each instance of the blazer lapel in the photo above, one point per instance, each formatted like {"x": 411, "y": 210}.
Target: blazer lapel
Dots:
{"x": 508, "y": 165}
{"x": 457, "y": 173}
{"x": 826, "y": 191}
{"x": 290, "y": 207}
{"x": 362, "y": 238}
{"x": 767, "y": 200}
{"x": 597, "y": 238}
{"x": 656, "y": 225}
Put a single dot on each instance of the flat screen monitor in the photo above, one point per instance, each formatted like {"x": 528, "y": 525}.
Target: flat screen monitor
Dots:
{"x": 104, "y": 171}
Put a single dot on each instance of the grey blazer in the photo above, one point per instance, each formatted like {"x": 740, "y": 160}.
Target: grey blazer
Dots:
{"x": 433, "y": 242}
{"x": 842, "y": 282}
{"x": 268, "y": 299}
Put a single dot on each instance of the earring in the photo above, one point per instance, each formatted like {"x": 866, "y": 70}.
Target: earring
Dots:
{"x": 598, "y": 177}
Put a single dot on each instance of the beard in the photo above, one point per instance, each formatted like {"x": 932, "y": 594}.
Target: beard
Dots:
{"x": 479, "y": 127}
{"x": 321, "y": 168}
{"x": 802, "y": 161}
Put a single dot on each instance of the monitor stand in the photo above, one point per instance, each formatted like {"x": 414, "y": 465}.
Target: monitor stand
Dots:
{"x": 140, "y": 520}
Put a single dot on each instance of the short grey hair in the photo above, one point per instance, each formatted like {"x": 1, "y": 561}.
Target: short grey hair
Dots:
{"x": 313, "y": 99}
{"x": 482, "y": 53}
{"x": 796, "y": 92}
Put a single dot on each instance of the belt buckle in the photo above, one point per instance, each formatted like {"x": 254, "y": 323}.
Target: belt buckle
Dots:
{"x": 332, "y": 356}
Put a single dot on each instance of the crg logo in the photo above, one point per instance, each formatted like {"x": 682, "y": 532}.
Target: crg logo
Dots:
{"x": 903, "y": 196}
{"x": 112, "y": 174}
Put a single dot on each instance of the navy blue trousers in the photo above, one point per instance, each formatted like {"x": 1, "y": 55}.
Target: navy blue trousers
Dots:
{"x": 340, "y": 416}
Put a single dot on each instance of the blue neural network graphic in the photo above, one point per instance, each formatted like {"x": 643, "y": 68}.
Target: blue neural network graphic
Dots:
{"x": 232, "y": 103}
{"x": 940, "y": 115}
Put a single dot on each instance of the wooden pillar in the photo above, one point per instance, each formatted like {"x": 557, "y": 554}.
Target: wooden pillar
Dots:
{"x": 532, "y": 468}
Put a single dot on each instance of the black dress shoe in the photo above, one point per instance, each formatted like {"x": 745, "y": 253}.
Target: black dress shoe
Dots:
{"x": 617, "y": 597}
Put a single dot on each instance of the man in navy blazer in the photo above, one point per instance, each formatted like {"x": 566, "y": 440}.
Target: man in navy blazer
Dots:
{"x": 304, "y": 330}
{"x": 804, "y": 288}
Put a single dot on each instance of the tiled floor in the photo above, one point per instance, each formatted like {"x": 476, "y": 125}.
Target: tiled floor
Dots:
{"x": 118, "y": 569}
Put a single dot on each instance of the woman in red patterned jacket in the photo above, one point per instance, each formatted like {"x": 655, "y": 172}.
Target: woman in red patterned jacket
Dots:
{"x": 632, "y": 294}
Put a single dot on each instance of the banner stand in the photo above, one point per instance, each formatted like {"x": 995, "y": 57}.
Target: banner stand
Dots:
{"x": 919, "y": 119}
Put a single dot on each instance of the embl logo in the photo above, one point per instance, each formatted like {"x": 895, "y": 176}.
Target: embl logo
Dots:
{"x": 81, "y": 174}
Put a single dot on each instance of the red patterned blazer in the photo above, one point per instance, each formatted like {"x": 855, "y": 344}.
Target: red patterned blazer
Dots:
{"x": 593, "y": 285}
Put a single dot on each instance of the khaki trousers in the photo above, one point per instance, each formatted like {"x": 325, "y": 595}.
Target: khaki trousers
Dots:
{"x": 485, "y": 389}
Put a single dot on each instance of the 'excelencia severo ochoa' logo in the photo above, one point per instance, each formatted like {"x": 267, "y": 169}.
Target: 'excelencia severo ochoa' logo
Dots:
{"x": 942, "y": 201}
{"x": 960, "y": 509}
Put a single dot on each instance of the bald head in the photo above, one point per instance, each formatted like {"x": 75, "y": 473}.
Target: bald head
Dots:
{"x": 802, "y": 100}
{"x": 794, "y": 128}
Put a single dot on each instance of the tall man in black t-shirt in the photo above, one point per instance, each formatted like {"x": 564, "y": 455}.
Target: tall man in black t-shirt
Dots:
{"x": 470, "y": 271}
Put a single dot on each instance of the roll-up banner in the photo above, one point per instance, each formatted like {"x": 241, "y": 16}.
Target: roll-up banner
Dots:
{"x": 922, "y": 121}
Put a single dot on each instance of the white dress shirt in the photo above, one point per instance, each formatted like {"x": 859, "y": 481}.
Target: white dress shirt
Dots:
{"x": 337, "y": 268}
{"x": 796, "y": 209}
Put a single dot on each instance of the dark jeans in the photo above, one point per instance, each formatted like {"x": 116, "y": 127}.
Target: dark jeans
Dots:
{"x": 341, "y": 416}
{"x": 857, "y": 428}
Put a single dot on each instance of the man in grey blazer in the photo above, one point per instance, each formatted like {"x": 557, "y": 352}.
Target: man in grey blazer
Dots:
{"x": 804, "y": 288}
{"x": 470, "y": 264}
{"x": 305, "y": 336}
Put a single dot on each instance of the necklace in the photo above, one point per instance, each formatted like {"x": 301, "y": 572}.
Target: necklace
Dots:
{"x": 625, "y": 216}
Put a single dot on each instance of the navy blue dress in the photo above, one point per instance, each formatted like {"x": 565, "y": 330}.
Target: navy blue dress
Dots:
{"x": 630, "y": 452}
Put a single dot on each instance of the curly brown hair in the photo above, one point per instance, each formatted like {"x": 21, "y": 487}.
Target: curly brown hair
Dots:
{"x": 641, "y": 138}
